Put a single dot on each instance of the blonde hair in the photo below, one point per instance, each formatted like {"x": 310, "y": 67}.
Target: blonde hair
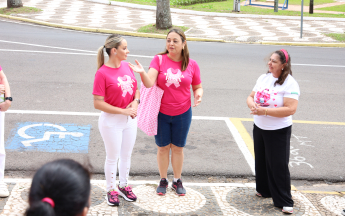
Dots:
{"x": 113, "y": 41}
{"x": 185, "y": 51}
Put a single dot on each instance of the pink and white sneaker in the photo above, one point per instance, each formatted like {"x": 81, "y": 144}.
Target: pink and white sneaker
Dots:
{"x": 113, "y": 198}
{"x": 287, "y": 210}
{"x": 127, "y": 193}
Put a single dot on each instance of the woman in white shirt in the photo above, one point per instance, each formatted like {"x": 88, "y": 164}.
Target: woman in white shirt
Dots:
{"x": 273, "y": 101}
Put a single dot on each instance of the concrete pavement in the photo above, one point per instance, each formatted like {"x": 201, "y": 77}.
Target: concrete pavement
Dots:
{"x": 201, "y": 199}
{"x": 99, "y": 15}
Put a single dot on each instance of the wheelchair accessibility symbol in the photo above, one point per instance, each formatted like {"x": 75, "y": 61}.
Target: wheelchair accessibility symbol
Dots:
{"x": 47, "y": 134}
{"x": 49, "y": 137}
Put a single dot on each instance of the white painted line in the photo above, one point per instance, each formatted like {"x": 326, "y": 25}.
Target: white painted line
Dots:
{"x": 37, "y": 45}
{"x": 188, "y": 30}
{"x": 241, "y": 145}
{"x": 68, "y": 53}
{"x": 140, "y": 182}
{"x": 316, "y": 65}
{"x": 53, "y": 112}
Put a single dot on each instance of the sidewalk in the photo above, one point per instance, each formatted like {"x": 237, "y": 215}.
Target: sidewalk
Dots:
{"x": 201, "y": 199}
{"x": 214, "y": 26}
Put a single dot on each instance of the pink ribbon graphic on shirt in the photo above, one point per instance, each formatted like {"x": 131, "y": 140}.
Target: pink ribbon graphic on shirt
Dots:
{"x": 126, "y": 85}
{"x": 173, "y": 77}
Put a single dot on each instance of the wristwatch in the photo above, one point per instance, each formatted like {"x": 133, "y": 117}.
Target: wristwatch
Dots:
{"x": 138, "y": 100}
{"x": 9, "y": 98}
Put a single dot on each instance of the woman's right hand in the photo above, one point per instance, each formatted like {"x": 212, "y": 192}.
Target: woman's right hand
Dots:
{"x": 132, "y": 112}
{"x": 136, "y": 68}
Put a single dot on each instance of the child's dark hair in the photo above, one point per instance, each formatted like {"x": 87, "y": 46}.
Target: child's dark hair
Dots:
{"x": 66, "y": 183}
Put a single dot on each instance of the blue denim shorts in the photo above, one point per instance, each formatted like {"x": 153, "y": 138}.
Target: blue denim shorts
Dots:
{"x": 173, "y": 129}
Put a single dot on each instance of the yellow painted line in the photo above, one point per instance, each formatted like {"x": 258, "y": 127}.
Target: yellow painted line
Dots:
{"x": 320, "y": 192}
{"x": 244, "y": 134}
{"x": 293, "y": 188}
{"x": 301, "y": 121}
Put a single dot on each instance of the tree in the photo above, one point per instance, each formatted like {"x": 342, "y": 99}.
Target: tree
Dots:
{"x": 311, "y": 7}
{"x": 163, "y": 16}
{"x": 14, "y": 3}
{"x": 275, "y": 5}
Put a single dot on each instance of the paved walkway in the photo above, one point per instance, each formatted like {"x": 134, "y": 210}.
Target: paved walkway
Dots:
{"x": 216, "y": 26}
{"x": 201, "y": 199}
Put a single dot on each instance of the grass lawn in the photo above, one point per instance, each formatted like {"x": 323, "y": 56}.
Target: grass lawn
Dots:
{"x": 340, "y": 8}
{"x": 338, "y": 37}
{"x": 151, "y": 28}
{"x": 20, "y": 10}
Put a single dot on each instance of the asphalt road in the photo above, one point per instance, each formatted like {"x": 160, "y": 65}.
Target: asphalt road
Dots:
{"x": 51, "y": 79}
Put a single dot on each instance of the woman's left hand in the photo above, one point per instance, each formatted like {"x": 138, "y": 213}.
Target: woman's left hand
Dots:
{"x": 5, "y": 105}
{"x": 257, "y": 110}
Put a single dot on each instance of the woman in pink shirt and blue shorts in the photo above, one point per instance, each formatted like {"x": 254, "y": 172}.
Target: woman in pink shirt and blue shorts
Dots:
{"x": 175, "y": 74}
{"x": 117, "y": 96}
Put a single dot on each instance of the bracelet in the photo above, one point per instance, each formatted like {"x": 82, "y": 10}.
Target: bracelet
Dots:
{"x": 266, "y": 112}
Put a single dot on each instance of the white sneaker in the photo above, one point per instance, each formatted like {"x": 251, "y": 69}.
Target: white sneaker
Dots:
{"x": 3, "y": 189}
{"x": 343, "y": 212}
{"x": 288, "y": 210}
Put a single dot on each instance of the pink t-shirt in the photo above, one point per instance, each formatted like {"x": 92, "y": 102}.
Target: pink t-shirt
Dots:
{"x": 176, "y": 84}
{"x": 116, "y": 85}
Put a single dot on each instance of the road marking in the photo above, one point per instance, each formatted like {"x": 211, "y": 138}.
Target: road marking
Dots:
{"x": 244, "y": 134}
{"x": 302, "y": 122}
{"x": 66, "y": 53}
{"x": 38, "y": 45}
{"x": 47, "y": 137}
{"x": 317, "y": 65}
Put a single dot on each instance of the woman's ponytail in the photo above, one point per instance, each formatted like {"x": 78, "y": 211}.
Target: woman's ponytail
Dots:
{"x": 100, "y": 57}
{"x": 40, "y": 209}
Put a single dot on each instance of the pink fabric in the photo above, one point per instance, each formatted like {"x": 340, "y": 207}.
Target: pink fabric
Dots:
{"x": 116, "y": 85}
{"x": 176, "y": 84}
{"x": 49, "y": 200}
{"x": 150, "y": 102}
{"x": 286, "y": 54}
{"x": 0, "y": 68}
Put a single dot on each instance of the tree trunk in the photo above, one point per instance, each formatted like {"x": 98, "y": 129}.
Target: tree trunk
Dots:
{"x": 163, "y": 17}
{"x": 14, "y": 3}
{"x": 311, "y": 7}
{"x": 275, "y": 5}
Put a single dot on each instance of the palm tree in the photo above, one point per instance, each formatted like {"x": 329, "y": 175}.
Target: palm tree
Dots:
{"x": 14, "y": 3}
{"x": 163, "y": 16}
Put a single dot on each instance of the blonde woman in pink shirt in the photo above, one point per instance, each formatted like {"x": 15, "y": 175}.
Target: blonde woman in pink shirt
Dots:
{"x": 175, "y": 75}
{"x": 117, "y": 96}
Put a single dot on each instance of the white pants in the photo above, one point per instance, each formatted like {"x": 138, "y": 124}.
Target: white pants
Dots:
{"x": 2, "y": 146}
{"x": 119, "y": 133}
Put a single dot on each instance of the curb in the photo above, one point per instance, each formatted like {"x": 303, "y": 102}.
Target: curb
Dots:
{"x": 201, "y": 13}
{"x": 159, "y": 36}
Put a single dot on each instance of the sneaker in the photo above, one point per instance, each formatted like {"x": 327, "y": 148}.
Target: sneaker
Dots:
{"x": 258, "y": 194}
{"x": 162, "y": 187}
{"x": 3, "y": 190}
{"x": 288, "y": 210}
{"x": 127, "y": 193}
{"x": 177, "y": 186}
{"x": 343, "y": 212}
{"x": 113, "y": 198}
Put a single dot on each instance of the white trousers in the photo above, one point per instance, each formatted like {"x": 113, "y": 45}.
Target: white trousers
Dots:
{"x": 119, "y": 133}
{"x": 2, "y": 145}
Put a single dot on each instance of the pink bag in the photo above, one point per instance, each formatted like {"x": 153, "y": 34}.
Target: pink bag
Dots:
{"x": 150, "y": 103}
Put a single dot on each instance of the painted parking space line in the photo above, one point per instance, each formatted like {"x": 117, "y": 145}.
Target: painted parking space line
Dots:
{"x": 248, "y": 139}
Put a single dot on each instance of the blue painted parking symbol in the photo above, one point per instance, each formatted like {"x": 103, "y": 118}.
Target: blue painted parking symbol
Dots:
{"x": 48, "y": 137}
